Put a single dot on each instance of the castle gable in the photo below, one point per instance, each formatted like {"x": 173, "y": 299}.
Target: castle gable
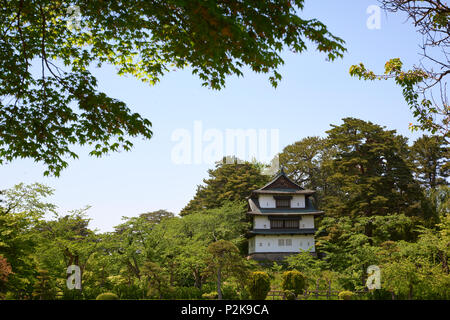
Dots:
{"x": 282, "y": 182}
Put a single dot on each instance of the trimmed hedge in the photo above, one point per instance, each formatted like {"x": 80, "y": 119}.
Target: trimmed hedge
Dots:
{"x": 345, "y": 295}
{"x": 107, "y": 296}
{"x": 259, "y": 285}
{"x": 211, "y": 295}
{"x": 293, "y": 282}
{"x": 289, "y": 294}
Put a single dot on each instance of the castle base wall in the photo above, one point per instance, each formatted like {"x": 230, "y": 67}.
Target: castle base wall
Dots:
{"x": 272, "y": 256}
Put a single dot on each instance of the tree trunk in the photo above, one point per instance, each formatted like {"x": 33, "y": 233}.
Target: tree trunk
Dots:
{"x": 219, "y": 280}
{"x": 133, "y": 269}
{"x": 197, "y": 278}
{"x": 317, "y": 289}
{"x": 136, "y": 267}
{"x": 443, "y": 258}
{"x": 329, "y": 290}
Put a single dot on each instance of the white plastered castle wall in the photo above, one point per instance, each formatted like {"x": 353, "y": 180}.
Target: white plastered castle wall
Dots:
{"x": 266, "y": 201}
{"x": 298, "y": 201}
{"x": 271, "y": 243}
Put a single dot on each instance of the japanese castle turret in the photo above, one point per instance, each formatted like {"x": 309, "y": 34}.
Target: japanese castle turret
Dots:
{"x": 283, "y": 220}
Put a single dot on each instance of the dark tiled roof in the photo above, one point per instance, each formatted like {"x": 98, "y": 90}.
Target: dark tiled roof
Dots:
{"x": 283, "y": 231}
{"x": 281, "y": 175}
{"x": 255, "y": 209}
{"x": 287, "y": 210}
{"x": 284, "y": 191}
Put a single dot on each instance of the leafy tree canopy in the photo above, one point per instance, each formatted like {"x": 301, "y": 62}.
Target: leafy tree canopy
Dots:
{"x": 424, "y": 86}
{"x": 44, "y": 112}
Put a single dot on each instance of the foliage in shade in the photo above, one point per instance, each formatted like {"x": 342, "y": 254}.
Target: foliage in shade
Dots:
{"x": 44, "y": 289}
{"x": 156, "y": 278}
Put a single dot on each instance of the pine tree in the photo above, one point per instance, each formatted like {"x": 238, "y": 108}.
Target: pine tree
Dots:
{"x": 227, "y": 182}
{"x": 429, "y": 156}
{"x": 370, "y": 171}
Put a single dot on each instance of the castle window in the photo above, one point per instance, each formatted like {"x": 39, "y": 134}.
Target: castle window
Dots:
{"x": 283, "y": 203}
{"x": 288, "y": 242}
{"x": 291, "y": 224}
{"x": 276, "y": 224}
{"x": 280, "y": 242}
{"x": 283, "y": 224}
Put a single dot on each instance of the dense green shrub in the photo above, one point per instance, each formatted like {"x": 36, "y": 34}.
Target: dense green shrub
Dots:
{"x": 186, "y": 293}
{"x": 133, "y": 291}
{"x": 107, "y": 296}
{"x": 209, "y": 287}
{"x": 379, "y": 294}
{"x": 72, "y": 294}
{"x": 259, "y": 285}
{"x": 9, "y": 296}
{"x": 91, "y": 293}
{"x": 293, "y": 281}
{"x": 230, "y": 292}
{"x": 190, "y": 293}
{"x": 289, "y": 294}
{"x": 244, "y": 294}
{"x": 211, "y": 295}
{"x": 345, "y": 295}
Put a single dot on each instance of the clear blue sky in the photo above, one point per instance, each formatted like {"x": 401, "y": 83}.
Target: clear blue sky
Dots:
{"x": 313, "y": 94}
